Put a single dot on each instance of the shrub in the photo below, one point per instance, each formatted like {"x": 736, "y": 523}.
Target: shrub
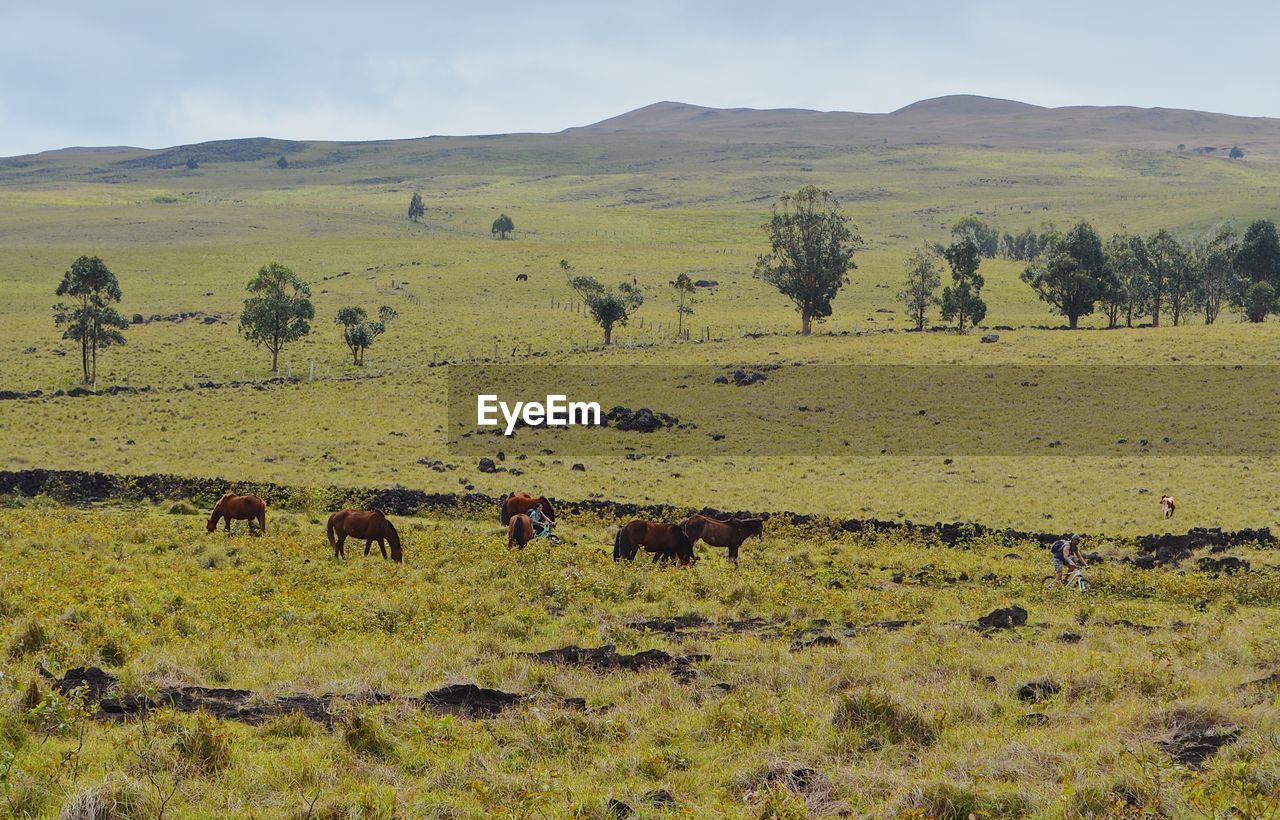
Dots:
{"x": 879, "y": 721}
{"x": 183, "y": 508}
{"x": 116, "y": 798}
{"x": 30, "y": 637}
{"x": 949, "y": 801}
{"x": 203, "y": 744}
{"x": 365, "y": 735}
{"x": 293, "y": 725}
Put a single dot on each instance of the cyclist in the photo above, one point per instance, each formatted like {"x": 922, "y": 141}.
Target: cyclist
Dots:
{"x": 542, "y": 524}
{"x": 1067, "y": 555}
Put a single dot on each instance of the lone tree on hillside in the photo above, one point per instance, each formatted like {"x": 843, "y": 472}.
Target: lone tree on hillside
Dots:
{"x": 1235, "y": 153}
{"x": 924, "y": 277}
{"x": 358, "y": 332}
{"x": 962, "y": 299}
{"x": 502, "y": 226}
{"x": 684, "y": 299}
{"x": 416, "y": 208}
{"x": 1075, "y": 276}
{"x": 90, "y": 319}
{"x": 192, "y": 164}
{"x": 812, "y": 246}
{"x": 608, "y": 307}
{"x": 282, "y": 162}
{"x": 278, "y": 310}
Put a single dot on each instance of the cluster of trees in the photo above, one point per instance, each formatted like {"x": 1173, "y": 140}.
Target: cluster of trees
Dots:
{"x": 1131, "y": 277}
{"x": 278, "y": 312}
{"x": 501, "y": 228}
{"x": 961, "y": 300}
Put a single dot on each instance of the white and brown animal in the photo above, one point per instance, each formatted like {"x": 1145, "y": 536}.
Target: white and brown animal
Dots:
{"x": 1167, "y": 505}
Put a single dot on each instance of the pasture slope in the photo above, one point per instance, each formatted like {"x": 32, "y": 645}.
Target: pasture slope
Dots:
{"x": 853, "y": 665}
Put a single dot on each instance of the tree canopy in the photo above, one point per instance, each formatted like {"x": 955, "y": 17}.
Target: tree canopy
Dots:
{"x": 1075, "y": 275}
{"x": 90, "y": 318}
{"x": 812, "y": 244}
{"x": 416, "y": 208}
{"x": 502, "y": 226}
{"x": 358, "y": 332}
{"x": 607, "y": 307}
{"x": 919, "y": 292}
{"x": 962, "y": 299}
{"x": 278, "y": 310}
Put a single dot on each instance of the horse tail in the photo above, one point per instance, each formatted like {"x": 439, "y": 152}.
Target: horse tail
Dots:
{"x": 502, "y": 511}
{"x": 393, "y": 538}
{"x": 621, "y": 545}
{"x": 333, "y": 542}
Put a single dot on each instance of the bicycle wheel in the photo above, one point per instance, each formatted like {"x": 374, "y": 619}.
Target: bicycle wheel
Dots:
{"x": 1050, "y": 582}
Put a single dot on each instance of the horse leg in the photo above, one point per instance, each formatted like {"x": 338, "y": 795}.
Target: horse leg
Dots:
{"x": 733, "y": 554}
{"x": 339, "y": 551}
{"x": 368, "y": 545}
{"x": 227, "y": 517}
{"x": 382, "y": 547}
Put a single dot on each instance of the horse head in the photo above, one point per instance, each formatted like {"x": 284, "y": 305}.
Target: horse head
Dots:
{"x": 751, "y": 526}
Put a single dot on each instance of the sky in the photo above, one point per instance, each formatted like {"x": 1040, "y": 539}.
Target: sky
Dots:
{"x": 151, "y": 74}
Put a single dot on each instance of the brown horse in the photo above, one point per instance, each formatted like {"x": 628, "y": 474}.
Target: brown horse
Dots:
{"x": 370, "y": 526}
{"x": 716, "y": 533}
{"x": 663, "y": 540}
{"x": 519, "y": 531}
{"x": 242, "y": 508}
{"x": 522, "y": 502}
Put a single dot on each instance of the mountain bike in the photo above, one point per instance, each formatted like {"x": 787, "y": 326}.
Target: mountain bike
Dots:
{"x": 1073, "y": 579}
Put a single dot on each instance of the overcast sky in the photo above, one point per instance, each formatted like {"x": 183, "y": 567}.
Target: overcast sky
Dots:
{"x": 153, "y": 74}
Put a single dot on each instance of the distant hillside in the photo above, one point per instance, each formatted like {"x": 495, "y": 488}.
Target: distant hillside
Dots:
{"x": 670, "y": 134}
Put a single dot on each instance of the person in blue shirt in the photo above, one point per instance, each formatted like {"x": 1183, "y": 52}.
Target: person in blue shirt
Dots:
{"x": 542, "y": 523}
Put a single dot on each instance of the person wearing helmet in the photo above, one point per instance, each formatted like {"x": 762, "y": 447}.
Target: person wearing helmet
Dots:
{"x": 1067, "y": 556}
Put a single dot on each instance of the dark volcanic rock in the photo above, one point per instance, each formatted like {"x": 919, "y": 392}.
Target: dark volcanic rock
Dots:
{"x": 742, "y": 378}
{"x": 605, "y": 658}
{"x": 617, "y": 810}
{"x": 1229, "y": 565}
{"x": 1193, "y": 745}
{"x": 1004, "y": 618}
{"x": 486, "y": 465}
{"x": 1038, "y": 690}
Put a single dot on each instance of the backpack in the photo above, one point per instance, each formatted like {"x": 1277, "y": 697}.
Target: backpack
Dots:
{"x": 1059, "y": 547}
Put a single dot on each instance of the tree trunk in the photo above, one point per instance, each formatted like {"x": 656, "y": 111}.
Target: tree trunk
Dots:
{"x": 806, "y": 322}
{"x": 1073, "y": 320}
{"x": 1155, "y": 313}
{"x": 275, "y": 359}
{"x": 84, "y": 359}
{"x": 608, "y": 335}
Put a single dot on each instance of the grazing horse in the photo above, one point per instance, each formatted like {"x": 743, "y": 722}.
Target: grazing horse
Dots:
{"x": 370, "y": 526}
{"x": 716, "y": 533}
{"x": 522, "y": 502}
{"x": 519, "y": 531}
{"x": 663, "y": 540}
{"x": 242, "y": 508}
{"x": 1167, "y": 505}
{"x": 522, "y": 277}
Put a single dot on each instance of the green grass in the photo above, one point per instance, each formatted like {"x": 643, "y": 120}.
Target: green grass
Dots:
{"x": 890, "y": 722}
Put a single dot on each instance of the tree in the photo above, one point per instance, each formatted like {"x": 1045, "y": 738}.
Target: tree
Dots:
{"x": 1235, "y": 153}
{"x": 1075, "y": 276}
{"x": 192, "y": 164}
{"x": 358, "y": 332}
{"x": 962, "y": 299}
{"x": 607, "y": 307}
{"x": 1259, "y": 300}
{"x": 416, "y": 208}
{"x": 982, "y": 234}
{"x": 1258, "y": 256}
{"x": 282, "y": 162}
{"x": 502, "y": 226}
{"x": 684, "y": 299}
{"x": 90, "y": 319}
{"x": 1172, "y": 276}
{"x": 919, "y": 292}
{"x": 278, "y": 310}
{"x": 1219, "y": 279}
{"x": 811, "y": 252}
{"x": 1128, "y": 293}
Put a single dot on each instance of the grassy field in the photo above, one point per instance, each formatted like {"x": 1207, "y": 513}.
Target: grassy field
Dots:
{"x": 919, "y": 719}
{"x": 185, "y": 241}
